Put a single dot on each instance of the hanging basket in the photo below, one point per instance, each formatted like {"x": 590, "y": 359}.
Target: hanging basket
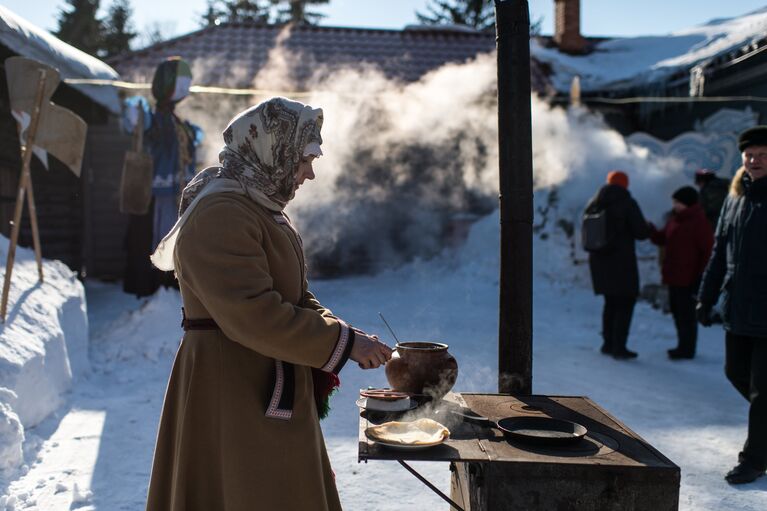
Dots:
{"x": 138, "y": 172}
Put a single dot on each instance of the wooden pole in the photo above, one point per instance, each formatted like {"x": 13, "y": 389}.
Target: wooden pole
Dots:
{"x": 515, "y": 333}
{"x": 35, "y": 230}
{"x": 24, "y": 185}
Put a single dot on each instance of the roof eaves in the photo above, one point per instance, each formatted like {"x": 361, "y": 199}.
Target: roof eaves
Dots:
{"x": 26, "y": 39}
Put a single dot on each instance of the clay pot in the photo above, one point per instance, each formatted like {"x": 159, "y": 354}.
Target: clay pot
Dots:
{"x": 422, "y": 368}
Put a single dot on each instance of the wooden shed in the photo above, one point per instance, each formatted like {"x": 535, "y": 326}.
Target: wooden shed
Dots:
{"x": 79, "y": 220}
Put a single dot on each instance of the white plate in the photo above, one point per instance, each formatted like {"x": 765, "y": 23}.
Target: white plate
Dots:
{"x": 362, "y": 403}
{"x": 406, "y": 447}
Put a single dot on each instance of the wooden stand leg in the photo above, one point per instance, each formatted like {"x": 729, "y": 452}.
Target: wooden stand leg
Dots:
{"x": 12, "y": 245}
{"x": 35, "y": 230}
{"x": 25, "y": 182}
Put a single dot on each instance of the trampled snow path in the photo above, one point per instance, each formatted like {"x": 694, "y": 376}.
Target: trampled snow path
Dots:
{"x": 103, "y": 441}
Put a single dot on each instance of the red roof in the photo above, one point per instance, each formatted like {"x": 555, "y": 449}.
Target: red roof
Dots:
{"x": 231, "y": 54}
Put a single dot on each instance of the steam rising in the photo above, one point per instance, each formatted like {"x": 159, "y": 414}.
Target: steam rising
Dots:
{"x": 405, "y": 162}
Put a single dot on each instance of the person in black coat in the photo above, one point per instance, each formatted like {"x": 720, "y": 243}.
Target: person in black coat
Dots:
{"x": 614, "y": 271}
{"x": 687, "y": 238}
{"x": 738, "y": 269}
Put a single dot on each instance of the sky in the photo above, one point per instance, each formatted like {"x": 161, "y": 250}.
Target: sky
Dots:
{"x": 598, "y": 17}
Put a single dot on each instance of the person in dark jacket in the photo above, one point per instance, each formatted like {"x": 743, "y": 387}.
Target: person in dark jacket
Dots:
{"x": 687, "y": 238}
{"x": 614, "y": 271}
{"x": 738, "y": 269}
{"x": 713, "y": 191}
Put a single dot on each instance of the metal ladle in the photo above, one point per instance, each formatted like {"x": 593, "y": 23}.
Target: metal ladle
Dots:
{"x": 389, "y": 327}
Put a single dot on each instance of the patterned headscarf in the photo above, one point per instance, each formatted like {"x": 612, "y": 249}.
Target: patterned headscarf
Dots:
{"x": 265, "y": 144}
{"x": 263, "y": 147}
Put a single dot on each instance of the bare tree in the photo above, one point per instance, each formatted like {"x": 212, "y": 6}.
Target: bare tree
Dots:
{"x": 157, "y": 31}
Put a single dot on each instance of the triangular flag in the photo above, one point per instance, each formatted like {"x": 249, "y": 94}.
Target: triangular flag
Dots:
{"x": 60, "y": 131}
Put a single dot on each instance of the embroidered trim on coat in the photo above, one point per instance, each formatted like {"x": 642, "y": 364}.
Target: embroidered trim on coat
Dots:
{"x": 338, "y": 352}
{"x": 274, "y": 411}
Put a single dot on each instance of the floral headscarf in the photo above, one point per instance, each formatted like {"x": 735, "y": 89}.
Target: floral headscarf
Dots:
{"x": 265, "y": 144}
{"x": 263, "y": 147}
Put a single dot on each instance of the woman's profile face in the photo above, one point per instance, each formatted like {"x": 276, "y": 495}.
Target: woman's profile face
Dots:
{"x": 305, "y": 170}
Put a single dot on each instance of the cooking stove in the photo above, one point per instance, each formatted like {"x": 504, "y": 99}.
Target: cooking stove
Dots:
{"x": 611, "y": 468}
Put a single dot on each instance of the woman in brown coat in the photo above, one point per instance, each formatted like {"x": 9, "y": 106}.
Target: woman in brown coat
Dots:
{"x": 240, "y": 424}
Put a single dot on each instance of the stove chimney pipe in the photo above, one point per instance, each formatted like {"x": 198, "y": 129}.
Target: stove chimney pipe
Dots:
{"x": 515, "y": 361}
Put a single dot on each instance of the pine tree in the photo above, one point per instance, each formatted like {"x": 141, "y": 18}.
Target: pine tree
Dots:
{"x": 213, "y": 14}
{"x": 473, "y": 13}
{"x": 295, "y": 11}
{"x": 80, "y": 27}
{"x": 118, "y": 29}
{"x": 242, "y": 10}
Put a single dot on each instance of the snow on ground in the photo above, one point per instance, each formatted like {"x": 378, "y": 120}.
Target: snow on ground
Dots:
{"x": 95, "y": 452}
{"x": 43, "y": 347}
{"x": 620, "y": 62}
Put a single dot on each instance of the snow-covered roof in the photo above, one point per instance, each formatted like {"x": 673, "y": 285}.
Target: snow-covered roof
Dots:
{"x": 33, "y": 42}
{"x": 623, "y": 63}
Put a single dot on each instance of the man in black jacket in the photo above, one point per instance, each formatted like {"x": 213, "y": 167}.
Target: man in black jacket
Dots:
{"x": 738, "y": 267}
{"x": 614, "y": 271}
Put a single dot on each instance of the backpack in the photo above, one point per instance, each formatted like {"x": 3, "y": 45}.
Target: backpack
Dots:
{"x": 594, "y": 230}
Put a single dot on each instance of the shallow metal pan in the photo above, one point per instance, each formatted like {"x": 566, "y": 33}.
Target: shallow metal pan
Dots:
{"x": 542, "y": 430}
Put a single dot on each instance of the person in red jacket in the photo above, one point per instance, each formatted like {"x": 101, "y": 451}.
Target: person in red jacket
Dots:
{"x": 688, "y": 238}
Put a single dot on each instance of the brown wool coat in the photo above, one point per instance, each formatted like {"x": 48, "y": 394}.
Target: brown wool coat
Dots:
{"x": 216, "y": 449}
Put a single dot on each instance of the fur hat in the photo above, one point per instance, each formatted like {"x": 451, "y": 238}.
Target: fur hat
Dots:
{"x": 687, "y": 195}
{"x": 616, "y": 177}
{"x": 752, "y": 136}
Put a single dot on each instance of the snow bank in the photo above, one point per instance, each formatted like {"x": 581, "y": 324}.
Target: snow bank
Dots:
{"x": 150, "y": 331}
{"x": 43, "y": 346}
{"x": 11, "y": 433}
{"x": 623, "y": 62}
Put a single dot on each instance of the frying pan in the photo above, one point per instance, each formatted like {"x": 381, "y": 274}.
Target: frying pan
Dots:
{"x": 542, "y": 430}
{"x": 531, "y": 430}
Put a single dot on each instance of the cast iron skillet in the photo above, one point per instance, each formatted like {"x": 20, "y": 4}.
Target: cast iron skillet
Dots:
{"x": 542, "y": 430}
{"x": 531, "y": 430}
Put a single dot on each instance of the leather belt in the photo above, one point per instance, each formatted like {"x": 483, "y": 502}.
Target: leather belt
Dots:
{"x": 197, "y": 324}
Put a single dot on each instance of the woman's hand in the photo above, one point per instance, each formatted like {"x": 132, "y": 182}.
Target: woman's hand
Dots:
{"x": 368, "y": 351}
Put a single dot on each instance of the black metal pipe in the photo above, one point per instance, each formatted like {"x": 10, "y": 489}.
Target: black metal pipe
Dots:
{"x": 433, "y": 488}
{"x": 515, "y": 343}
